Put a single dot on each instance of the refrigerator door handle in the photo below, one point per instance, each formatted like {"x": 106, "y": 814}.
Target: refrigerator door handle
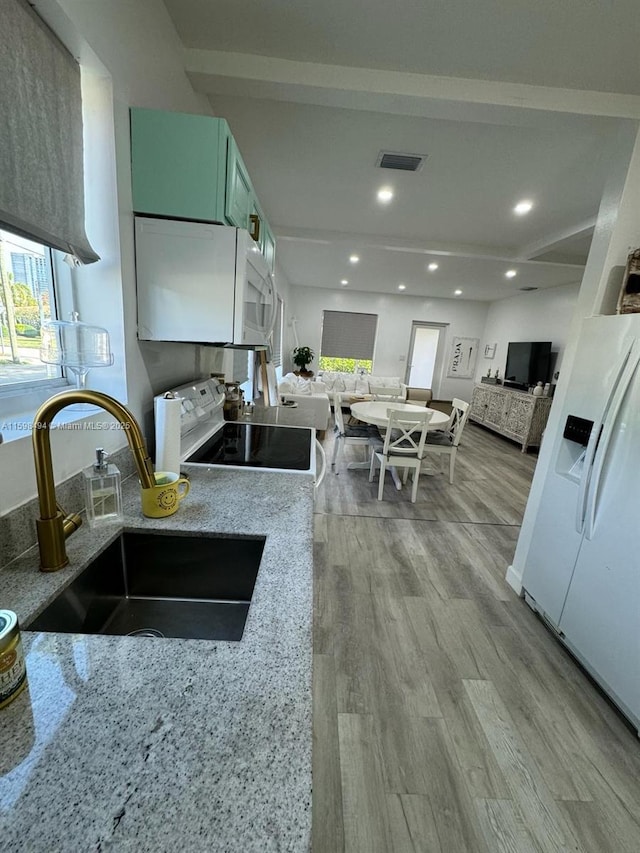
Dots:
{"x": 585, "y": 479}
{"x": 610, "y": 418}
{"x": 593, "y": 444}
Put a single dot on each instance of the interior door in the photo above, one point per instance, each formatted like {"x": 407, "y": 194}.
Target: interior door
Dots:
{"x": 425, "y": 356}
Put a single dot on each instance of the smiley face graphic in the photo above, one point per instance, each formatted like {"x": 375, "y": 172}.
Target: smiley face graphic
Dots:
{"x": 167, "y": 498}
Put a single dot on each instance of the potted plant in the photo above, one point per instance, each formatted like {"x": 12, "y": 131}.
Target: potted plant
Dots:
{"x": 302, "y": 356}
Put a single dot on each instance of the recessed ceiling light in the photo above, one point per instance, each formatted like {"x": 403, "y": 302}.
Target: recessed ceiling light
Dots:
{"x": 354, "y": 259}
{"x": 523, "y": 207}
{"x": 344, "y": 282}
{"x": 433, "y": 267}
{"x": 511, "y": 273}
{"x": 458, "y": 292}
{"x": 402, "y": 287}
{"x": 385, "y": 194}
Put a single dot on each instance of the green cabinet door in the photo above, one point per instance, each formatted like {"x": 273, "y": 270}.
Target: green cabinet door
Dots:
{"x": 239, "y": 192}
{"x": 189, "y": 167}
{"x": 262, "y": 234}
{"x": 178, "y": 164}
{"x": 268, "y": 245}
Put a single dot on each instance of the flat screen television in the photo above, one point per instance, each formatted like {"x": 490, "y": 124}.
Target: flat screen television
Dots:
{"x": 527, "y": 363}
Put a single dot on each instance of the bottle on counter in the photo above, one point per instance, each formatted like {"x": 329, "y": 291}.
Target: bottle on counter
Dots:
{"x": 103, "y": 491}
{"x": 13, "y": 672}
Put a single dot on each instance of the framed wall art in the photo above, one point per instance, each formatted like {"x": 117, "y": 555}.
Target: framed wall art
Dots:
{"x": 462, "y": 361}
{"x": 490, "y": 350}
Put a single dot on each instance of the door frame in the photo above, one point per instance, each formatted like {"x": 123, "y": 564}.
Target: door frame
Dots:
{"x": 438, "y": 366}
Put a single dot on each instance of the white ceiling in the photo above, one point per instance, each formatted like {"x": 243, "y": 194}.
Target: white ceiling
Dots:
{"x": 310, "y": 134}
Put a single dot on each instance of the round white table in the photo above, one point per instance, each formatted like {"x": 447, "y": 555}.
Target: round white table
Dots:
{"x": 376, "y": 412}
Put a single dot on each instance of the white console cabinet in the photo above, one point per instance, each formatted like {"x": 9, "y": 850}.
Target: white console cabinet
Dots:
{"x": 514, "y": 414}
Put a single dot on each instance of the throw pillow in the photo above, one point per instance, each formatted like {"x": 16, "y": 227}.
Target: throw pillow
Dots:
{"x": 328, "y": 379}
{"x": 303, "y": 386}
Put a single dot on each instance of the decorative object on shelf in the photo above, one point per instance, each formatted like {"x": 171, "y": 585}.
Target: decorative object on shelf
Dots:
{"x": 302, "y": 356}
{"x": 489, "y": 379}
{"x": 538, "y": 391}
{"x": 490, "y": 350}
{"x": 497, "y": 376}
{"x": 462, "y": 361}
{"x": 629, "y": 299}
{"x": 76, "y": 346}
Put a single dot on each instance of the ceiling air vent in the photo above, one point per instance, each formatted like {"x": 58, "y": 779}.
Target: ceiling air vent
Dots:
{"x": 401, "y": 162}
{"x": 528, "y": 288}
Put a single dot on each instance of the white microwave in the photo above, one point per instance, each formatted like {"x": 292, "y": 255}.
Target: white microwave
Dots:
{"x": 201, "y": 283}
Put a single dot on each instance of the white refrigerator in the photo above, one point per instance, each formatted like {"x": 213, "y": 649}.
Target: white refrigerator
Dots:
{"x": 582, "y": 572}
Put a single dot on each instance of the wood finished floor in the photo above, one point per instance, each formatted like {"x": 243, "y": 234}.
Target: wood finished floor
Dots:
{"x": 446, "y": 717}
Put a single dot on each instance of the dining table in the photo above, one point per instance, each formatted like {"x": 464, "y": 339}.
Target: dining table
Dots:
{"x": 376, "y": 412}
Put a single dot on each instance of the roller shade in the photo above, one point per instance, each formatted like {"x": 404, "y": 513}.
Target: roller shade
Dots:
{"x": 241, "y": 364}
{"x": 276, "y": 336}
{"x": 41, "y": 167}
{"x": 346, "y": 334}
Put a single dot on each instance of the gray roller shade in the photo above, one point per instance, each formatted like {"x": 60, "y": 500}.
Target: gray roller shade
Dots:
{"x": 41, "y": 167}
{"x": 276, "y": 336}
{"x": 346, "y": 334}
{"x": 241, "y": 364}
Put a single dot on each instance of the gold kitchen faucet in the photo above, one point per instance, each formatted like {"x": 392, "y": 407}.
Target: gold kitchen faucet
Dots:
{"x": 54, "y": 526}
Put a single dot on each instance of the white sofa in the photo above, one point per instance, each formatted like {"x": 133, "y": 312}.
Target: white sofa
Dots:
{"x": 311, "y": 398}
{"x": 356, "y": 386}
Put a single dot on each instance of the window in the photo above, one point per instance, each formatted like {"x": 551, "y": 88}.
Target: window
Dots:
{"x": 348, "y": 340}
{"x": 26, "y": 300}
{"x": 41, "y": 188}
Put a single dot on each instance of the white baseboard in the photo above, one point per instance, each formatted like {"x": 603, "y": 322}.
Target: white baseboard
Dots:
{"x": 514, "y": 579}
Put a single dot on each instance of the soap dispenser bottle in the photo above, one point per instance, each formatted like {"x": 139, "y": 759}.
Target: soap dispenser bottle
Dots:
{"x": 103, "y": 490}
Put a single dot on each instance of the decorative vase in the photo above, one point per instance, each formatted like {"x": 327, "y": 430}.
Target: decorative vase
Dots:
{"x": 538, "y": 390}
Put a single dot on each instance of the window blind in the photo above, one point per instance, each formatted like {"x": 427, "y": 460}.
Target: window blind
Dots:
{"x": 276, "y": 336}
{"x": 41, "y": 168}
{"x": 346, "y": 334}
{"x": 241, "y": 365}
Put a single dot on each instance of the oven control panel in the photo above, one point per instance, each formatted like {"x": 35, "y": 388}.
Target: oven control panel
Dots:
{"x": 202, "y": 403}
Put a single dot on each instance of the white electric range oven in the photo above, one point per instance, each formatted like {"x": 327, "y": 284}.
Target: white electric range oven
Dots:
{"x": 207, "y": 439}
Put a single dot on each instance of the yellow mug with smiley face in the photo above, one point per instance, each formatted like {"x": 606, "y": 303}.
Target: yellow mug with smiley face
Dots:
{"x": 164, "y": 498}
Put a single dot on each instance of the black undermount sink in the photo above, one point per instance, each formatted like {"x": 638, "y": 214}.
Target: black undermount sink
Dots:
{"x": 155, "y": 585}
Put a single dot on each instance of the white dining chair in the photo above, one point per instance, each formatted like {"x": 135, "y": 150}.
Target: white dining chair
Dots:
{"x": 445, "y": 443}
{"x": 385, "y": 394}
{"x": 403, "y": 447}
{"x": 347, "y": 434}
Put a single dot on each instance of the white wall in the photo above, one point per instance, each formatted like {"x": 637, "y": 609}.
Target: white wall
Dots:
{"x": 395, "y": 315}
{"x": 541, "y": 316}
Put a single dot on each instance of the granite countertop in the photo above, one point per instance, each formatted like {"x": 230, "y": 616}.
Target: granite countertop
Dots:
{"x": 143, "y": 744}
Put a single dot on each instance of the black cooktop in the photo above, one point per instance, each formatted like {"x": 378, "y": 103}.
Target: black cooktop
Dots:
{"x": 258, "y": 446}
